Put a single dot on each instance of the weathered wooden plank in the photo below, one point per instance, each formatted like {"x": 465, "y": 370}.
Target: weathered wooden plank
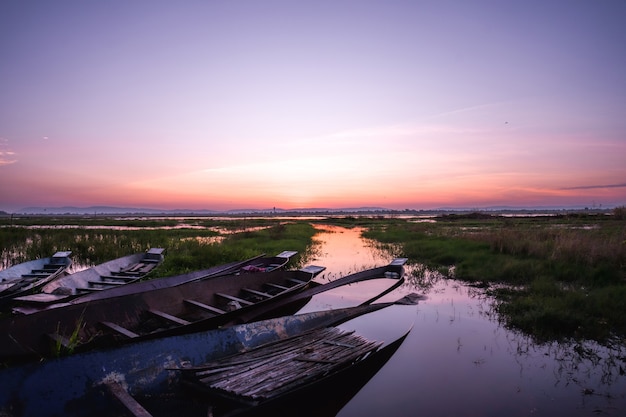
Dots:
{"x": 127, "y": 400}
{"x": 277, "y": 286}
{"x": 119, "y": 329}
{"x": 259, "y": 293}
{"x": 205, "y": 307}
{"x": 283, "y": 366}
{"x": 118, "y": 277}
{"x": 168, "y": 317}
{"x": 107, "y": 283}
{"x": 233, "y": 298}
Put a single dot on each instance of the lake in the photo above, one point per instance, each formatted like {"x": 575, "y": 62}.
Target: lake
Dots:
{"x": 458, "y": 359}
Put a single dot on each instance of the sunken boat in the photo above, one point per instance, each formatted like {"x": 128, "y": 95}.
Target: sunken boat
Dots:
{"x": 152, "y": 377}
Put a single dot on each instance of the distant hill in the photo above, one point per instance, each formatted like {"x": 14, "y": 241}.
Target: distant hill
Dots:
{"x": 109, "y": 210}
{"x": 95, "y": 210}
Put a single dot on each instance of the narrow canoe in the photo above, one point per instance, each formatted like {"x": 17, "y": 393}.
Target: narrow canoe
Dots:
{"x": 259, "y": 263}
{"x": 110, "y": 274}
{"x": 32, "y": 275}
{"x": 190, "y": 306}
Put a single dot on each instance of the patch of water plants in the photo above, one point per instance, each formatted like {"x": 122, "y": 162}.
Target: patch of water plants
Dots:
{"x": 553, "y": 277}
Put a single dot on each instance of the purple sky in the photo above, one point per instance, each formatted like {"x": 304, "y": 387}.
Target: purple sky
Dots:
{"x": 231, "y": 104}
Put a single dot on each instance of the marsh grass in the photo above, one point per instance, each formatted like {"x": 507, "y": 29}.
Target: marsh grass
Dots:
{"x": 184, "y": 251}
{"x": 566, "y": 275}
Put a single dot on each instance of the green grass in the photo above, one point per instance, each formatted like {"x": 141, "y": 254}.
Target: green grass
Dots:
{"x": 186, "y": 249}
{"x": 566, "y": 275}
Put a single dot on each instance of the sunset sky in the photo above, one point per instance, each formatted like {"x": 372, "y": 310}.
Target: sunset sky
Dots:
{"x": 290, "y": 104}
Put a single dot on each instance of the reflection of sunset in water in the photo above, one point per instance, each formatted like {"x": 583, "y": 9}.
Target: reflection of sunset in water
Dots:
{"x": 342, "y": 252}
{"x": 459, "y": 358}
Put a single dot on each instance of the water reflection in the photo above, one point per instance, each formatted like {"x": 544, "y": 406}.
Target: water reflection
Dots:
{"x": 459, "y": 359}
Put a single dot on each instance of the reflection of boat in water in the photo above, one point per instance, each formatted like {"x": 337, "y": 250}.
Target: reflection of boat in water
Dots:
{"x": 145, "y": 373}
{"x": 114, "y": 273}
{"x": 31, "y": 275}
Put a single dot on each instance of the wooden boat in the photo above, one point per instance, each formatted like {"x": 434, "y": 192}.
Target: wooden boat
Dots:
{"x": 37, "y": 302}
{"x": 394, "y": 271}
{"x": 110, "y": 274}
{"x": 190, "y": 306}
{"x": 29, "y": 276}
{"x": 273, "y": 375}
{"x": 96, "y": 382}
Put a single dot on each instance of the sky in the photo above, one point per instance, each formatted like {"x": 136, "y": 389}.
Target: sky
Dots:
{"x": 222, "y": 105}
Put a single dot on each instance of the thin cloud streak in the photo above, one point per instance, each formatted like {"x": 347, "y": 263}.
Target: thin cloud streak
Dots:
{"x": 590, "y": 187}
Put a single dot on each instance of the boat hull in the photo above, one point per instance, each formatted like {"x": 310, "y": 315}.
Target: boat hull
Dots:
{"x": 73, "y": 385}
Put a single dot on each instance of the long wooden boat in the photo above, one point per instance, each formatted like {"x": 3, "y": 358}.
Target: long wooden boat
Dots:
{"x": 394, "y": 271}
{"x": 110, "y": 274}
{"x": 261, "y": 263}
{"x": 190, "y": 306}
{"x": 31, "y": 275}
{"x": 96, "y": 382}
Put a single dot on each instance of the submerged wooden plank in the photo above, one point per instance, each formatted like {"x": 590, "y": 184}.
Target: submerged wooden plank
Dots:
{"x": 127, "y": 400}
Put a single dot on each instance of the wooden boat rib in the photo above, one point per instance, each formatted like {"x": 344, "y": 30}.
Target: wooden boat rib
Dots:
{"x": 110, "y": 274}
{"x": 190, "y": 306}
{"x": 260, "y": 262}
{"x": 143, "y": 372}
{"x": 30, "y": 276}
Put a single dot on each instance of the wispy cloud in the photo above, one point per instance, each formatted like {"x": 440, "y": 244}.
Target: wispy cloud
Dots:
{"x": 7, "y": 156}
{"x": 589, "y": 187}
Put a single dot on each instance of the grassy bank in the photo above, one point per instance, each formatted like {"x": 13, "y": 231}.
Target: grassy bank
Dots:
{"x": 186, "y": 249}
{"x": 566, "y": 275}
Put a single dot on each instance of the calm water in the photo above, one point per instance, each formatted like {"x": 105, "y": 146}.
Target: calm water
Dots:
{"x": 458, "y": 360}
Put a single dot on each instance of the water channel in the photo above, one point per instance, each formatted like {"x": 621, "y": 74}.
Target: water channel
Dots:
{"x": 458, "y": 360}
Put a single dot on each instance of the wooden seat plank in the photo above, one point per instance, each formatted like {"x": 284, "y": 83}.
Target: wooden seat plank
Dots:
{"x": 233, "y": 298}
{"x": 109, "y": 283}
{"x": 259, "y": 293}
{"x": 168, "y": 317}
{"x": 204, "y": 306}
{"x": 279, "y": 287}
{"x": 119, "y": 329}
